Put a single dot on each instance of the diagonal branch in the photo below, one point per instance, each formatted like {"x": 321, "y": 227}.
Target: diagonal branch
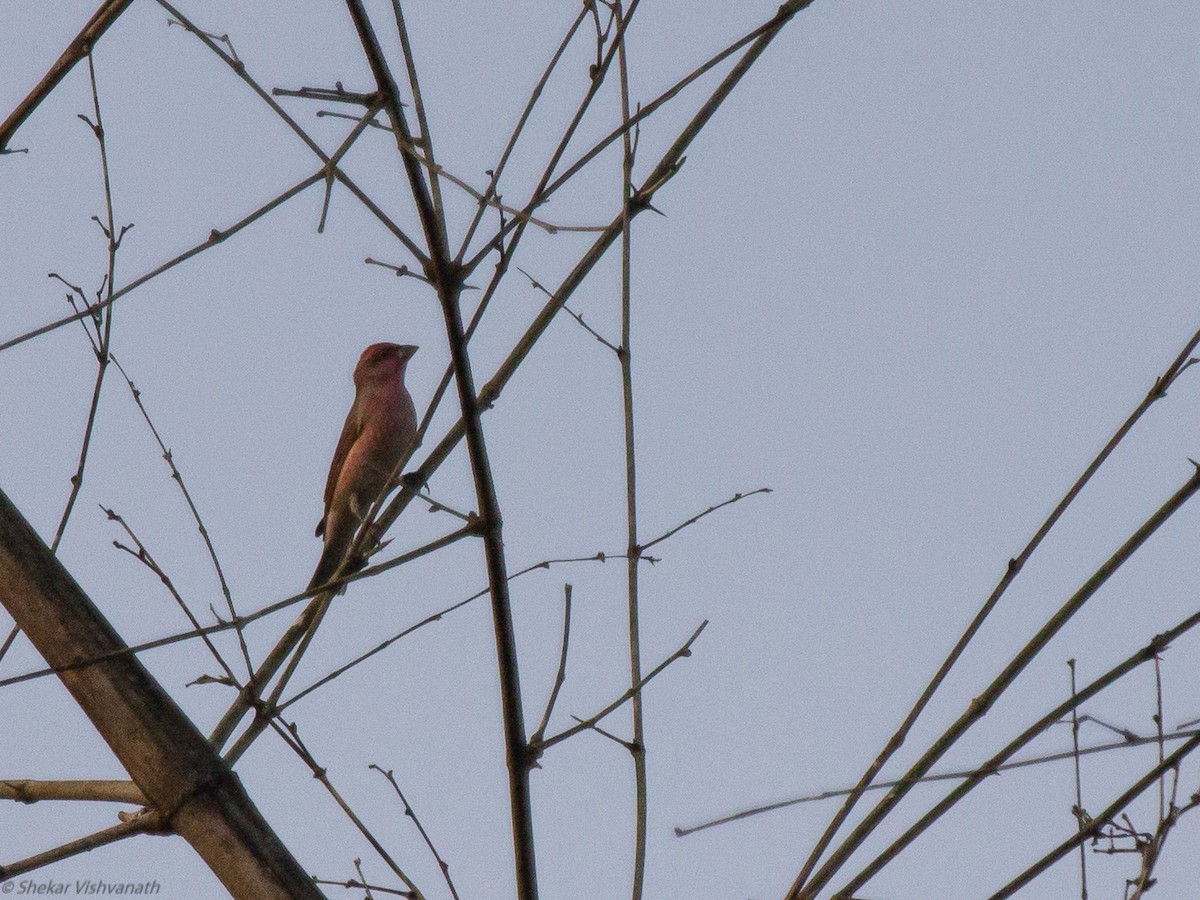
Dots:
{"x": 101, "y": 19}
{"x": 419, "y": 104}
{"x": 981, "y": 704}
{"x": 249, "y": 696}
{"x": 239, "y": 68}
{"x": 143, "y": 824}
{"x": 240, "y": 621}
{"x": 995, "y": 763}
{"x": 169, "y": 760}
{"x": 586, "y": 724}
{"x": 177, "y": 477}
{"x": 1134, "y": 790}
{"x": 411, "y": 813}
{"x": 987, "y": 770}
{"x": 1157, "y": 391}
{"x": 446, "y": 277}
{"x": 215, "y": 236}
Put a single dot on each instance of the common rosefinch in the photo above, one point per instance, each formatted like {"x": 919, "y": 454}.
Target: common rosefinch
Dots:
{"x": 379, "y": 431}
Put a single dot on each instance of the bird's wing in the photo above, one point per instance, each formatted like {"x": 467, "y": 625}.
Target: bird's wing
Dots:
{"x": 350, "y": 432}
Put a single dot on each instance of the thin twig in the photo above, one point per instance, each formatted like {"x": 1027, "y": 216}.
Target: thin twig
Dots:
{"x": 1157, "y": 645}
{"x": 415, "y": 151}
{"x": 362, "y": 879}
{"x": 216, "y": 236}
{"x": 1084, "y": 833}
{"x": 291, "y": 737}
{"x": 336, "y": 94}
{"x": 585, "y": 724}
{"x": 574, "y": 315}
{"x": 982, "y": 703}
{"x": 104, "y": 16}
{"x": 1078, "y": 809}
{"x": 560, "y": 676}
{"x": 142, "y": 555}
{"x": 979, "y": 774}
{"x": 620, "y": 742}
{"x": 534, "y": 96}
{"x": 411, "y": 813}
{"x": 331, "y": 167}
{"x": 1158, "y": 727}
{"x": 363, "y": 886}
{"x": 147, "y": 823}
{"x": 438, "y": 506}
{"x": 177, "y": 477}
{"x": 696, "y": 518}
{"x": 1157, "y": 391}
{"x": 219, "y": 38}
{"x": 8, "y": 641}
{"x": 104, "y": 336}
{"x": 414, "y": 84}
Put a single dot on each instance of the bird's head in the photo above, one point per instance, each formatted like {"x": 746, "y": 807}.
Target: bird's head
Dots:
{"x": 381, "y": 362}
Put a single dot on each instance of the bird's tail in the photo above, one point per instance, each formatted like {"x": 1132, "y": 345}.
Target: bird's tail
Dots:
{"x": 339, "y": 535}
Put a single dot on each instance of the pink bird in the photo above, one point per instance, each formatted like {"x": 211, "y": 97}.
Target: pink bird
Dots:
{"x": 378, "y": 433}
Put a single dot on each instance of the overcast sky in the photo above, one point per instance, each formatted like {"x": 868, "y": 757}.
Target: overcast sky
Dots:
{"x": 916, "y": 271}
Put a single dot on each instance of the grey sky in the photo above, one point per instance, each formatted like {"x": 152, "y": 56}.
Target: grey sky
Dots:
{"x": 916, "y": 271}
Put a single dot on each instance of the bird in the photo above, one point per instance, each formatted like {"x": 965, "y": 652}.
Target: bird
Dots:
{"x": 379, "y": 432}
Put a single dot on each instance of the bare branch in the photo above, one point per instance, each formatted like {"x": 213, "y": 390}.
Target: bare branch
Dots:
{"x": 1156, "y": 392}
{"x": 215, "y": 237}
{"x": 696, "y": 518}
{"x": 585, "y": 724}
{"x": 143, "y": 556}
{"x": 336, "y": 94}
{"x": 1157, "y": 645}
{"x": 148, "y": 823}
{"x": 1108, "y": 813}
{"x": 574, "y": 315}
{"x": 177, "y": 477}
{"x": 107, "y": 13}
{"x": 239, "y": 68}
{"x": 560, "y": 676}
{"x": 363, "y": 886}
{"x": 983, "y": 702}
{"x": 411, "y": 813}
{"x": 291, "y": 737}
{"x": 104, "y": 333}
{"x": 25, "y": 790}
{"x": 166, "y": 757}
{"x": 981, "y": 773}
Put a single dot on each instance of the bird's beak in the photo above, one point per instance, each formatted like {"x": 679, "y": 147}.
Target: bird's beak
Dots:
{"x": 407, "y": 351}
